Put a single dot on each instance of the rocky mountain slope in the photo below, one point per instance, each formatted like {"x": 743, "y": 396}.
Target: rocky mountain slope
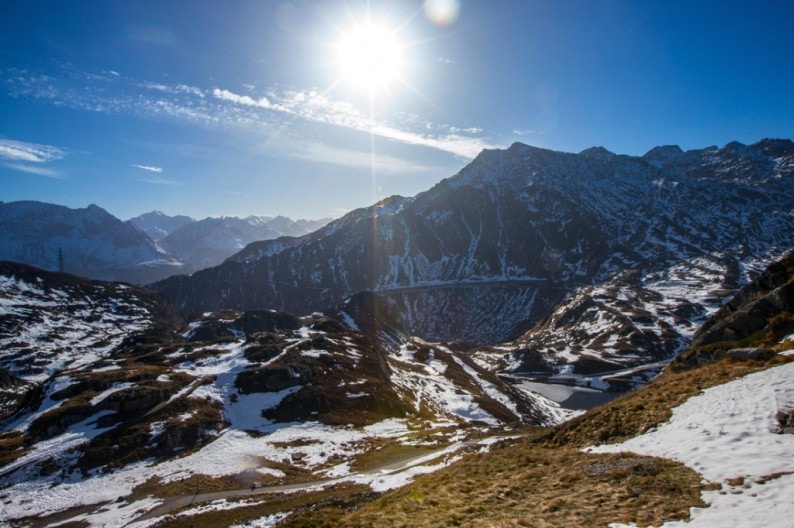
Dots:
{"x": 760, "y": 315}
{"x": 708, "y": 443}
{"x": 620, "y": 258}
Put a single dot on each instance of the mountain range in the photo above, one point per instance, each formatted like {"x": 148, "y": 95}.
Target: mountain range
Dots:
{"x": 93, "y": 243}
{"x": 593, "y": 260}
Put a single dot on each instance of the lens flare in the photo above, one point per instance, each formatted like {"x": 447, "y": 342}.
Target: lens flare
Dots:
{"x": 442, "y": 12}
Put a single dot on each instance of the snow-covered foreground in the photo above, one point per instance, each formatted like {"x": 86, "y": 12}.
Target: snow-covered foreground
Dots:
{"x": 234, "y": 452}
{"x": 729, "y": 435}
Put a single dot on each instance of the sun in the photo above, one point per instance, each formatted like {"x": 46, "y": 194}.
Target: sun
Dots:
{"x": 370, "y": 56}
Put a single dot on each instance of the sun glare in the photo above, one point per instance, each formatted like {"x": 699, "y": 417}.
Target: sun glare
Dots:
{"x": 370, "y": 56}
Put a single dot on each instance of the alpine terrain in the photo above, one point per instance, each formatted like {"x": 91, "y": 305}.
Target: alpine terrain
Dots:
{"x": 426, "y": 361}
{"x": 205, "y": 243}
{"x": 593, "y": 259}
{"x": 113, "y": 417}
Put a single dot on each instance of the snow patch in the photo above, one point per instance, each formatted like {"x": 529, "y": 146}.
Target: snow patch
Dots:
{"x": 117, "y": 387}
{"x": 729, "y": 432}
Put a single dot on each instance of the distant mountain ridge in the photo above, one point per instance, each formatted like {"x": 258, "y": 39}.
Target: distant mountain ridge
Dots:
{"x": 91, "y": 242}
{"x": 487, "y": 254}
{"x": 205, "y": 243}
{"x": 159, "y": 225}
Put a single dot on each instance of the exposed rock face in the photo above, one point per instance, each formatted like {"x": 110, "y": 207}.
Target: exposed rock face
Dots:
{"x": 752, "y": 308}
{"x": 753, "y": 325}
{"x": 484, "y": 256}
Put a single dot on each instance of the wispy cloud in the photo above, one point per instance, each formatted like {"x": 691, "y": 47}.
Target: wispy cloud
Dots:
{"x": 29, "y": 152}
{"x": 527, "y": 132}
{"x": 252, "y": 114}
{"x": 226, "y": 95}
{"x": 175, "y": 89}
{"x": 38, "y": 170}
{"x": 148, "y": 168}
{"x": 318, "y": 107}
{"x": 31, "y": 157}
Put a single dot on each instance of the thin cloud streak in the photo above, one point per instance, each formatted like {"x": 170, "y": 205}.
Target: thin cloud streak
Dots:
{"x": 527, "y": 132}
{"x": 177, "y": 89}
{"x": 315, "y": 151}
{"x": 226, "y": 95}
{"x": 314, "y": 106}
{"x": 37, "y": 170}
{"x": 148, "y": 168}
{"x": 29, "y": 152}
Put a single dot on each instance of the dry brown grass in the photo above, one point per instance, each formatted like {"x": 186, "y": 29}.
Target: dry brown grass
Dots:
{"x": 203, "y": 483}
{"x": 527, "y": 485}
{"x": 545, "y": 480}
{"x": 11, "y": 447}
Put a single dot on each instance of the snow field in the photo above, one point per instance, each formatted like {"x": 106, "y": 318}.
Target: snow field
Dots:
{"x": 728, "y": 434}
{"x": 233, "y": 452}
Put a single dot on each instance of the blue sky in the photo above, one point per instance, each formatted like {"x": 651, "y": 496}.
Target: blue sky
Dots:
{"x": 211, "y": 108}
